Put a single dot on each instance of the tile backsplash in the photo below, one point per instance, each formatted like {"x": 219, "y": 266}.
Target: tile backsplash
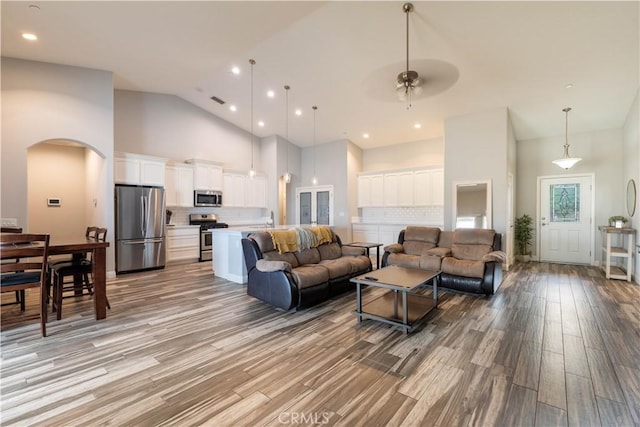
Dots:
{"x": 430, "y": 215}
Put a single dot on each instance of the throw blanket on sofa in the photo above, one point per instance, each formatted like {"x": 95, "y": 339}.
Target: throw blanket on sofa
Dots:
{"x": 306, "y": 239}
{"x": 284, "y": 240}
{"x": 323, "y": 233}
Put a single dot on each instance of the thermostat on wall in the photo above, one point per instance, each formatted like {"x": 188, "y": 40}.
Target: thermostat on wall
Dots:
{"x": 54, "y": 201}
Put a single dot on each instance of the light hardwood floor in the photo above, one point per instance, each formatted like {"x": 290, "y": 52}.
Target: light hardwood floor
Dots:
{"x": 558, "y": 345}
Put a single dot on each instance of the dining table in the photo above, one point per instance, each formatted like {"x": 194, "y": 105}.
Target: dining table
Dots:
{"x": 72, "y": 245}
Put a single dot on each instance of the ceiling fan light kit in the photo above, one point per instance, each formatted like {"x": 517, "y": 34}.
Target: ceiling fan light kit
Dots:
{"x": 566, "y": 162}
{"x": 408, "y": 81}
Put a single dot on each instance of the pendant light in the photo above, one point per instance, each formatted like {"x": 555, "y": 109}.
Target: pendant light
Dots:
{"x": 566, "y": 162}
{"x": 252, "y": 171}
{"x": 314, "y": 180}
{"x": 287, "y": 175}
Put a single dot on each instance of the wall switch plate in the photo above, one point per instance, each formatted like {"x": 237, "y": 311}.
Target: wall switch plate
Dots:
{"x": 10, "y": 222}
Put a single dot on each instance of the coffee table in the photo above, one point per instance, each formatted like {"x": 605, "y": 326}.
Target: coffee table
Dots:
{"x": 401, "y": 306}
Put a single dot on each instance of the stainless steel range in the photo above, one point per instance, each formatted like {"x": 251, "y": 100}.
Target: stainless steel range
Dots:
{"x": 206, "y": 223}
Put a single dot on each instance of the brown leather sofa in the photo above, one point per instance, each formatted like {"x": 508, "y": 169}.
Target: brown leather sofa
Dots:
{"x": 470, "y": 259}
{"x": 300, "y": 279}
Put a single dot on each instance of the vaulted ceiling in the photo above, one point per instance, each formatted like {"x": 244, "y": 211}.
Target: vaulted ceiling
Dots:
{"x": 344, "y": 58}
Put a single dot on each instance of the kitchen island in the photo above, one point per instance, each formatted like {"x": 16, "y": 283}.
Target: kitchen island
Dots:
{"x": 228, "y": 259}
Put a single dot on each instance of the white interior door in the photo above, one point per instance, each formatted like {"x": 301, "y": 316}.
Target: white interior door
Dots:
{"x": 565, "y": 219}
{"x": 510, "y": 220}
{"x": 314, "y": 205}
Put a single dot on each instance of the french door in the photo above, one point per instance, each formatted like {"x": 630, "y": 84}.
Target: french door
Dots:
{"x": 314, "y": 205}
{"x": 565, "y": 214}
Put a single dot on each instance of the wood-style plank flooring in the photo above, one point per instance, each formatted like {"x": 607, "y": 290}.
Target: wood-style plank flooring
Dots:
{"x": 557, "y": 345}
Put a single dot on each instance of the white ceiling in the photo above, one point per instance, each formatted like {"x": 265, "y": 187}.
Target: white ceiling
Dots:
{"x": 344, "y": 57}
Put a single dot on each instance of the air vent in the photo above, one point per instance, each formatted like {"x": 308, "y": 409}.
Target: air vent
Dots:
{"x": 218, "y": 100}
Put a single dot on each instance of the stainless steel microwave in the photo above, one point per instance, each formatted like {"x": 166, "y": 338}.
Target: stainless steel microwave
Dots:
{"x": 207, "y": 198}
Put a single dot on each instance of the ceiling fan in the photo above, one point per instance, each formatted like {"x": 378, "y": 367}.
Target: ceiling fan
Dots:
{"x": 408, "y": 82}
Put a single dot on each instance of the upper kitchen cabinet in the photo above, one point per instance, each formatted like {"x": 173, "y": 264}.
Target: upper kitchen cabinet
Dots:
{"x": 136, "y": 169}
{"x": 206, "y": 175}
{"x": 240, "y": 191}
{"x": 179, "y": 185}
{"x": 428, "y": 187}
{"x": 370, "y": 190}
{"x": 398, "y": 188}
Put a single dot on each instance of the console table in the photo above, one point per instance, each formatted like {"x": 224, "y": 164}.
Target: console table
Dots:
{"x": 622, "y": 249}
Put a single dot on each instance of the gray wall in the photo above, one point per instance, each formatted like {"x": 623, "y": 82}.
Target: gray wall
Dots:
{"x": 42, "y": 102}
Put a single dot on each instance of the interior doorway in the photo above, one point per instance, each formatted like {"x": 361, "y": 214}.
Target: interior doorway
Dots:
{"x": 565, "y": 219}
{"x": 314, "y": 205}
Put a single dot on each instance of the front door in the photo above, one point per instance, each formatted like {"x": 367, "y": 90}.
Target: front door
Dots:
{"x": 565, "y": 227}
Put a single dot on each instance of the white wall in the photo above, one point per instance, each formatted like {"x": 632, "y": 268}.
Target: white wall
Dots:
{"x": 168, "y": 126}
{"x": 41, "y": 102}
{"x": 631, "y": 168}
{"x": 429, "y": 153}
{"x": 476, "y": 148}
{"x": 602, "y": 154}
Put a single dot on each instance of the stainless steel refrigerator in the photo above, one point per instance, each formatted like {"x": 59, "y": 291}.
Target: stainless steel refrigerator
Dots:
{"x": 140, "y": 228}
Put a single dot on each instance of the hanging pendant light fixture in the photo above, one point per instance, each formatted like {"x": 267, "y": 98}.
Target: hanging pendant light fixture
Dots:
{"x": 287, "y": 175}
{"x": 408, "y": 81}
{"x": 314, "y": 180}
{"x": 566, "y": 162}
{"x": 252, "y": 171}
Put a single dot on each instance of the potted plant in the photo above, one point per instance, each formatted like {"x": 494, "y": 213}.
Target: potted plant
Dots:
{"x": 523, "y": 236}
{"x": 617, "y": 221}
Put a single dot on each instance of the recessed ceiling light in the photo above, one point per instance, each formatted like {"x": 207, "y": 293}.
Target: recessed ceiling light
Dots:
{"x": 417, "y": 126}
{"x": 298, "y": 112}
{"x": 568, "y": 86}
{"x": 235, "y": 70}
{"x": 261, "y": 123}
{"x": 29, "y": 36}
{"x": 233, "y": 108}
{"x": 365, "y": 135}
{"x": 271, "y": 93}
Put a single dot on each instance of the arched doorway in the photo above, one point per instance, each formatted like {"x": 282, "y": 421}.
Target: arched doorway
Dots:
{"x": 65, "y": 187}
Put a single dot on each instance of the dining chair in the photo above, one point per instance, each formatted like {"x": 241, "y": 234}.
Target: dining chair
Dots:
{"x": 28, "y": 271}
{"x": 78, "y": 269}
{"x": 19, "y": 294}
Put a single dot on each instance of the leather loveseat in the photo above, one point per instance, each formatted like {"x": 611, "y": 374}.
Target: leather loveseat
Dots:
{"x": 470, "y": 259}
{"x": 302, "y": 278}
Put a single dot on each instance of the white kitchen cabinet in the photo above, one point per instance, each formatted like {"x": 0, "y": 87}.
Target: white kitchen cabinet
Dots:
{"x": 179, "y": 185}
{"x": 206, "y": 175}
{"x": 388, "y": 234}
{"x": 428, "y": 187}
{"x": 183, "y": 243}
{"x": 137, "y": 169}
{"x": 233, "y": 189}
{"x": 239, "y": 190}
{"x": 255, "y": 192}
{"x": 398, "y": 188}
{"x": 365, "y": 233}
{"x": 370, "y": 190}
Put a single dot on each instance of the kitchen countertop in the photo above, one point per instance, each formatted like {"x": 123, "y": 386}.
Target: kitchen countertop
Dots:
{"x": 176, "y": 227}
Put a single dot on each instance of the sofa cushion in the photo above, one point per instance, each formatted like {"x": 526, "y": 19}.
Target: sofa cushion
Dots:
{"x": 310, "y": 275}
{"x": 359, "y": 263}
{"x": 352, "y": 251}
{"x": 472, "y": 244}
{"x": 416, "y": 239}
{"x": 308, "y": 256}
{"x": 337, "y": 267}
{"x": 462, "y": 267}
{"x": 264, "y": 241}
{"x": 330, "y": 251}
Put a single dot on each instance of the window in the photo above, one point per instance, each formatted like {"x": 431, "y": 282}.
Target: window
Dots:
{"x": 565, "y": 203}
